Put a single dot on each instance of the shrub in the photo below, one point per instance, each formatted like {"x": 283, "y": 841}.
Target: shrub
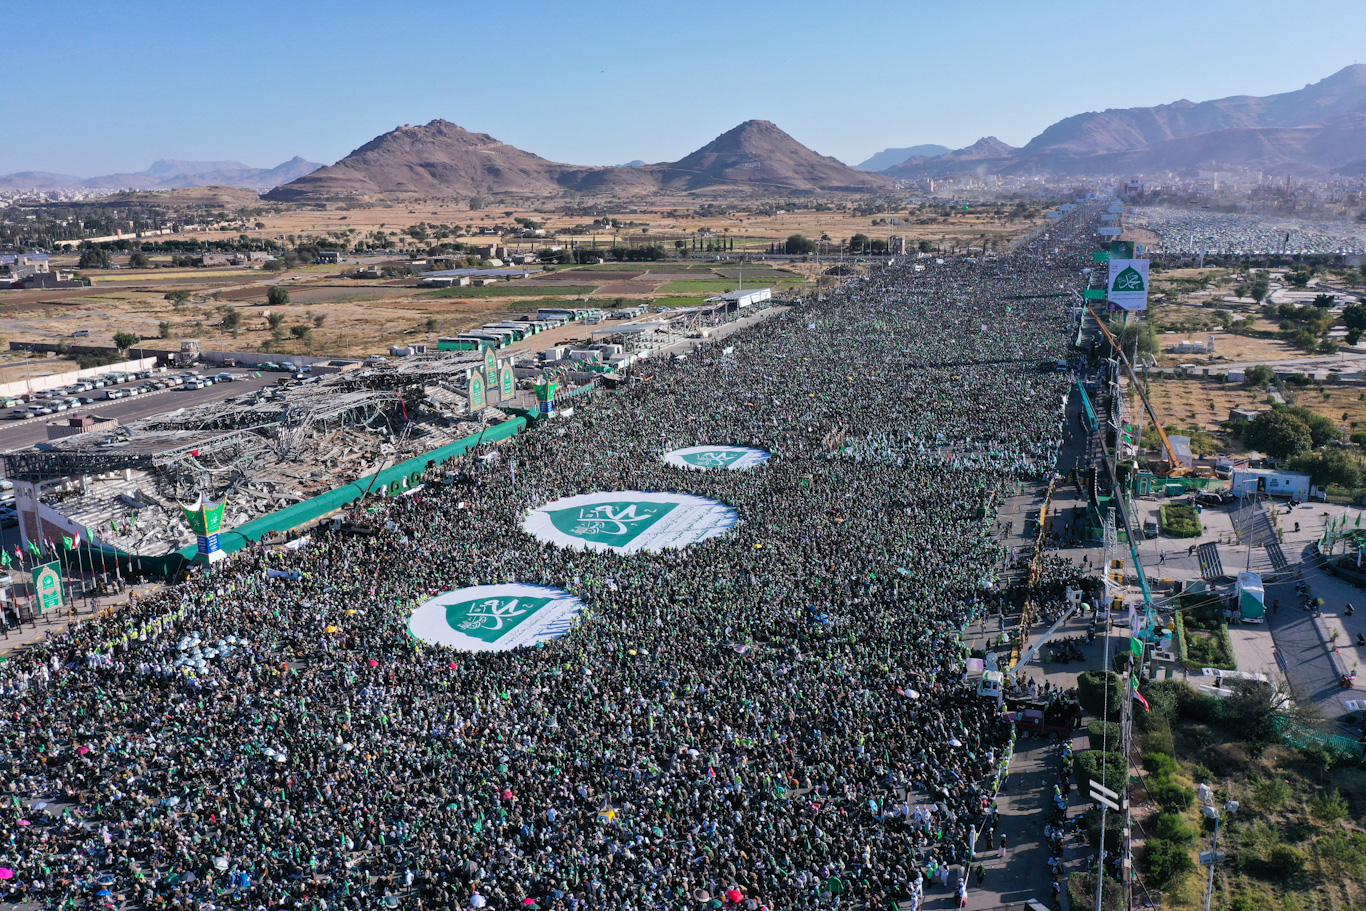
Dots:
{"x": 1166, "y": 862}
{"x": 1271, "y": 793}
{"x": 1160, "y": 765}
{"x": 1171, "y": 827}
{"x": 1171, "y": 796}
{"x": 1109, "y": 769}
{"x": 1329, "y": 807}
{"x": 1155, "y": 728}
{"x": 1081, "y": 892}
{"x": 1285, "y": 861}
{"x": 1098, "y": 691}
{"x": 1114, "y": 830}
{"x": 1104, "y": 734}
{"x": 1180, "y": 521}
{"x": 1202, "y": 773}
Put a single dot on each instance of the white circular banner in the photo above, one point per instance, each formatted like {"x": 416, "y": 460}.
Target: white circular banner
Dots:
{"x": 630, "y": 520}
{"x": 732, "y": 458}
{"x": 495, "y": 618}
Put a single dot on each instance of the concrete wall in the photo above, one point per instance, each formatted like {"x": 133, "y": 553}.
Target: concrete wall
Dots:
{"x": 57, "y": 380}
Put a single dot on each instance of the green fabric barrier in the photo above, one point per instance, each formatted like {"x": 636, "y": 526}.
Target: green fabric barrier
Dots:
{"x": 306, "y": 511}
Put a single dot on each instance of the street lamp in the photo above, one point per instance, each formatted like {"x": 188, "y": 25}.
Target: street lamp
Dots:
{"x": 1213, "y": 812}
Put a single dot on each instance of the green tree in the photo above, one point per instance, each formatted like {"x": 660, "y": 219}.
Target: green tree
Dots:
{"x": 139, "y": 260}
{"x": 177, "y": 297}
{"x": 277, "y": 296}
{"x": 858, "y": 243}
{"x": 1261, "y": 286}
{"x": 125, "y": 340}
{"x": 301, "y": 331}
{"x": 1278, "y": 434}
{"x": 1260, "y": 375}
{"x": 1328, "y": 466}
{"x": 275, "y": 320}
{"x": 232, "y": 319}
{"x": 319, "y": 319}
{"x": 799, "y": 245}
{"x": 1321, "y": 429}
{"x": 164, "y": 328}
{"x": 93, "y": 258}
{"x": 1324, "y": 301}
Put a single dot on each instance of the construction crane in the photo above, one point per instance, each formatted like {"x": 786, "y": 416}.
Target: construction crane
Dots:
{"x": 1177, "y": 469}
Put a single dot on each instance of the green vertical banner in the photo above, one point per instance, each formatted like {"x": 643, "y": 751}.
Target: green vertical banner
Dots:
{"x": 1121, "y": 249}
{"x": 509, "y": 383}
{"x": 47, "y": 587}
{"x": 477, "y": 400}
{"x": 205, "y": 518}
{"x": 490, "y": 371}
{"x": 545, "y": 394}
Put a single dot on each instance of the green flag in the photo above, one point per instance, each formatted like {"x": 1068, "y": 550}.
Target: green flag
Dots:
{"x": 68, "y": 542}
{"x": 33, "y": 549}
{"x": 5, "y": 558}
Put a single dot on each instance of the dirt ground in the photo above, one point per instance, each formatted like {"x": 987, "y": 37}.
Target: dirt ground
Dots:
{"x": 1205, "y": 404}
{"x": 330, "y": 313}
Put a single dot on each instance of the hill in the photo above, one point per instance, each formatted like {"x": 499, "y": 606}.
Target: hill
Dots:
{"x": 167, "y": 174}
{"x": 442, "y": 159}
{"x": 891, "y": 157}
{"x": 987, "y": 154}
{"x": 757, "y": 155}
{"x": 1309, "y": 131}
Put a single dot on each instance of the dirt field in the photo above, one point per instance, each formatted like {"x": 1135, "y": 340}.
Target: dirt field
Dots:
{"x": 330, "y": 313}
{"x": 1205, "y": 404}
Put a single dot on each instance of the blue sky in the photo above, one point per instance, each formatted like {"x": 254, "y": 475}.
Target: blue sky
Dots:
{"x": 107, "y": 87}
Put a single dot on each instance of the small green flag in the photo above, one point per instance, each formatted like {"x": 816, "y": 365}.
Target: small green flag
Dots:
{"x": 68, "y": 542}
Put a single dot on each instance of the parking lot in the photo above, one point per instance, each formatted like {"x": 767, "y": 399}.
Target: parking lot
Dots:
{"x": 24, "y": 423}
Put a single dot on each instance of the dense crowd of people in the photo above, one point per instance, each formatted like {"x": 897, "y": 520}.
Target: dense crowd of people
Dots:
{"x": 777, "y": 717}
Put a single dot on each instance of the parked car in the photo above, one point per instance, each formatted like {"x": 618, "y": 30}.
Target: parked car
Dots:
{"x": 1212, "y": 499}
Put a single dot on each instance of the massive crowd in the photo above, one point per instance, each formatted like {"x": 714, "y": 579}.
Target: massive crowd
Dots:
{"x": 1197, "y": 232}
{"x": 778, "y": 717}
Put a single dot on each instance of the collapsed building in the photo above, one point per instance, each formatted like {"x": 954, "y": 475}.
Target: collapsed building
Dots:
{"x": 265, "y": 451}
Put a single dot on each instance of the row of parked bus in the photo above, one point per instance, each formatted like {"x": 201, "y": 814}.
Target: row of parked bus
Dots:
{"x": 509, "y": 332}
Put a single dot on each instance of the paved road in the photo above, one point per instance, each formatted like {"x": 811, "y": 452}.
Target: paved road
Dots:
{"x": 25, "y": 433}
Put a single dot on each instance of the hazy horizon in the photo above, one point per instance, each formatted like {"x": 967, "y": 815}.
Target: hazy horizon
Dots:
{"x": 270, "y": 82}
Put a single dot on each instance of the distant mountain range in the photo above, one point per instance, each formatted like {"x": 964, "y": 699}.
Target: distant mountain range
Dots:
{"x": 442, "y": 159}
{"x": 168, "y": 175}
{"x": 1314, "y": 131}
{"x": 889, "y": 157}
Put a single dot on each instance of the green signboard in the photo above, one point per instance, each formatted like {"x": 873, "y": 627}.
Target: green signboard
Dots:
{"x": 509, "y": 383}
{"x": 1100, "y": 256}
{"x": 490, "y": 371}
{"x": 477, "y": 400}
{"x": 1095, "y": 294}
{"x": 47, "y": 586}
{"x": 1122, "y": 249}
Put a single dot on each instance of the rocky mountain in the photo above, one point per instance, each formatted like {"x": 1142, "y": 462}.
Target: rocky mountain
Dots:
{"x": 167, "y": 174}
{"x": 890, "y": 157}
{"x": 442, "y": 159}
{"x": 757, "y": 155}
{"x": 1310, "y": 131}
{"x": 987, "y": 154}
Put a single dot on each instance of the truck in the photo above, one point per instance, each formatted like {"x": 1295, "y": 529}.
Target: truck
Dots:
{"x": 1249, "y": 482}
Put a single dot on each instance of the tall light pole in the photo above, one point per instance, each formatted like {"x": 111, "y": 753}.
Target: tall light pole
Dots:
{"x": 1211, "y": 811}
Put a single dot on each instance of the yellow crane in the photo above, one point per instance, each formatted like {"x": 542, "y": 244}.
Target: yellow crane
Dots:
{"x": 1177, "y": 470}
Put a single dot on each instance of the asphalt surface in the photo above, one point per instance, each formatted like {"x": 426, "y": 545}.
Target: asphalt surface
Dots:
{"x": 24, "y": 433}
